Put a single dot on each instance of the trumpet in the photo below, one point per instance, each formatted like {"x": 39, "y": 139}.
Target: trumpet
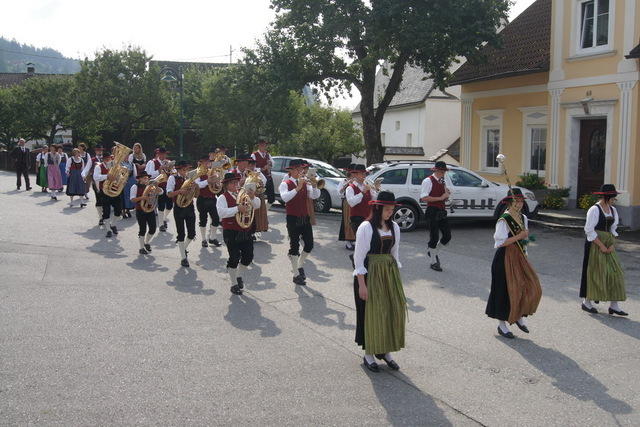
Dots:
{"x": 375, "y": 185}
{"x": 311, "y": 176}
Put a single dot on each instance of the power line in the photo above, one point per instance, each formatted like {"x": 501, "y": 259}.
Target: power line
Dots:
{"x": 40, "y": 56}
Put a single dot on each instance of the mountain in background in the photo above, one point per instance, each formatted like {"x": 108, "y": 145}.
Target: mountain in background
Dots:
{"x": 15, "y": 56}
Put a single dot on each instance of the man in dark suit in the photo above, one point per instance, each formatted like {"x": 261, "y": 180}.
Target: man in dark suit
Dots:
{"x": 22, "y": 159}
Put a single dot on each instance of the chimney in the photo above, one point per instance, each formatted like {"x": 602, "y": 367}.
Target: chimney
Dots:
{"x": 31, "y": 69}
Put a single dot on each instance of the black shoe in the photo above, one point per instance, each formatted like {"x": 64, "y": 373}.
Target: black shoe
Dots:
{"x": 523, "y": 328}
{"x": 86, "y": 197}
{"x": 505, "y": 334}
{"x": 390, "y": 363}
{"x": 253, "y": 237}
{"x": 205, "y": 244}
{"x": 83, "y": 205}
{"x": 436, "y": 266}
{"x": 596, "y": 302}
{"x": 28, "y": 188}
{"x": 235, "y": 289}
{"x": 54, "y": 198}
{"x": 240, "y": 282}
{"x": 299, "y": 280}
{"x": 101, "y": 222}
{"x": 301, "y": 273}
{"x": 143, "y": 252}
{"x": 591, "y": 310}
{"x": 43, "y": 190}
{"x": 109, "y": 234}
{"x": 216, "y": 243}
{"x": 618, "y": 312}
{"x": 184, "y": 263}
{"x": 147, "y": 247}
{"x": 114, "y": 229}
{"x": 373, "y": 367}
{"x": 18, "y": 189}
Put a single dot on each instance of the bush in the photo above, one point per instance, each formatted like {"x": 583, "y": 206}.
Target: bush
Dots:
{"x": 586, "y": 201}
{"x": 560, "y": 192}
{"x": 553, "y": 201}
{"x": 531, "y": 182}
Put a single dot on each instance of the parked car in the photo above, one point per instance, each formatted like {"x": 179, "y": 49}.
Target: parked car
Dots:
{"x": 472, "y": 196}
{"x": 329, "y": 196}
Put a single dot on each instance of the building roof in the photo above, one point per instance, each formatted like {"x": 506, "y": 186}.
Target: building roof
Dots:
{"x": 415, "y": 88}
{"x": 525, "y": 48}
{"x": 634, "y": 53}
{"x": 12, "y": 79}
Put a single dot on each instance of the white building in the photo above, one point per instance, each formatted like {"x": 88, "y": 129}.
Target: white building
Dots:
{"x": 421, "y": 120}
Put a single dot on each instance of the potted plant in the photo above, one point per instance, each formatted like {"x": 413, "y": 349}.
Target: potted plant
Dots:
{"x": 533, "y": 182}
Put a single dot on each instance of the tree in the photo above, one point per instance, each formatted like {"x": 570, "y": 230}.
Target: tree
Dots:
{"x": 116, "y": 92}
{"x": 9, "y": 128}
{"x": 336, "y": 44}
{"x": 325, "y": 134}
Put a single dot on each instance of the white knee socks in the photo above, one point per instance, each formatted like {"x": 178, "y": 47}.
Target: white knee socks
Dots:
{"x": 164, "y": 215}
{"x": 521, "y": 321}
{"x": 614, "y": 306}
{"x": 212, "y": 232}
{"x": 294, "y": 264}
{"x": 141, "y": 241}
{"x": 587, "y": 303}
{"x": 181, "y": 248}
{"x": 233, "y": 275}
{"x": 99, "y": 209}
{"x": 203, "y": 233}
{"x": 369, "y": 358}
{"x": 148, "y": 238}
{"x": 503, "y": 326}
{"x": 241, "y": 270}
{"x": 303, "y": 257}
{"x": 187, "y": 241}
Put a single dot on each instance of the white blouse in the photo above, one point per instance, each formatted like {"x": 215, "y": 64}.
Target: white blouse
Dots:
{"x": 363, "y": 245}
{"x": 593, "y": 216}
{"x": 502, "y": 231}
{"x": 73, "y": 159}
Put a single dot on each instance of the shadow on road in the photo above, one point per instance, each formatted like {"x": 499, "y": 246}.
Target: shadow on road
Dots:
{"x": 146, "y": 263}
{"x": 621, "y": 324}
{"x": 313, "y": 307}
{"x": 108, "y": 248}
{"x": 262, "y": 283}
{"x": 568, "y": 376}
{"x": 404, "y": 403}
{"x": 186, "y": 280}
{"x": 244, "y": 313}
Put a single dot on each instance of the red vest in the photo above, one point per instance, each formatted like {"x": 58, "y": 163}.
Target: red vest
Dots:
{"x": 179, "y": 182}
{"x": 361, "y": 209}
{"x": 298, "y": 205}
{"x": 140, "y": 190}
{"x": 230, "y": 223}
{"x": 261, "y": 161}
{"x": 157, "y": 164}
{"x": 103, "y": 171}
{"x": 437, "y": 190}
{"x": 75, "y": 166}
{"x": 206, "y": 192}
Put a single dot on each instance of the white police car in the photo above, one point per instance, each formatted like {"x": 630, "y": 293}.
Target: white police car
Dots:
{"x": 472, "y": 196}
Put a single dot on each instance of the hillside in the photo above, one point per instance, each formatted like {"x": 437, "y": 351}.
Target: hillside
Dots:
{"x": 14, "y": 57}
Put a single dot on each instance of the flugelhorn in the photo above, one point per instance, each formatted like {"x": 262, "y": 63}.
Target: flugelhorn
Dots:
{"x": 118, "y": 174}
{"x": 245, "y": 220}
{"x": 312, "y": 177}
{"x": 375, "y": 185}
{"x": 185, "y": 199}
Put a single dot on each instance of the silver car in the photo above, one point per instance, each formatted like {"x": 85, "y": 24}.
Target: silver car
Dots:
{"x": 329, "y": 197}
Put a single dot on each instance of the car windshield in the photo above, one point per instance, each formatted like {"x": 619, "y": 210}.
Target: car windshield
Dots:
{"x": 327, "y": 171}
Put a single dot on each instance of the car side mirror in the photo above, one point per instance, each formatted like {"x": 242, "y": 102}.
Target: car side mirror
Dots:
{"x": 485, "y": 184}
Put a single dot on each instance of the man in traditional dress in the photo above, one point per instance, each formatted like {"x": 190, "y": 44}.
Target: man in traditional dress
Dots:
{"x": 264, "y": 164}
{"x": 184, "y": 217}
{"x": 206, "y": 204}
{"x": 22, "y": 161}
{"x": 435, "y": 193}
{"x": 146, "y": 220}
{"x": 100, "y": 174}
{"x": 154, "y": 168}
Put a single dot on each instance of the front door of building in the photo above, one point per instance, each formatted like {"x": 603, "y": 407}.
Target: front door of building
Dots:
{"x": 593, "y": 142}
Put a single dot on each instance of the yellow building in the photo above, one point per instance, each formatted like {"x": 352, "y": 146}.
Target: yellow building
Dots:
{"x": 560, "y": 98}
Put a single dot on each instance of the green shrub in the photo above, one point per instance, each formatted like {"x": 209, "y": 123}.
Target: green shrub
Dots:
{"x": 553, "y": 201}
{"x": 560, "y": 192}
{"x": 531, "y": 182}
{"x": 586, "y": 201}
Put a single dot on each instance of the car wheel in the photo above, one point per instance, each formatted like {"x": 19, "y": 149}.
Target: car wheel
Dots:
{"x": 323, "y": 203}
{"x": 406, "y": 216}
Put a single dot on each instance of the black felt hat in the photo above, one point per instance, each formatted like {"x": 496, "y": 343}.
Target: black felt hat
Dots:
{"x": 243, "y": 157}
{"x": 142, "y": 175}
{"x": 230, "y": 176}
{"x": 297, "y": 163}
{"x": 182, "y": 164}
{"x": 384, "y": 198}
{"x": 607, "y": 190}
{"x": 514, "y": 194}
{"x": 161, "y": 150}
{"x": 106, "y": 154}
{"x": 440, "y": 166}
{"x": 98, "y": 147}
{"x": 358, "y": 168}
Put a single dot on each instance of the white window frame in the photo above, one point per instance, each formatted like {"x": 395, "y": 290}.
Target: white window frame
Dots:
{"x": 576, "y": 35}
{"x": 533, "y": 117}
{"x": 489, "y": 119}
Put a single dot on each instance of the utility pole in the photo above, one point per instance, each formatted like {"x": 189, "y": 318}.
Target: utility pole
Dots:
{"x": 230, "y": 54}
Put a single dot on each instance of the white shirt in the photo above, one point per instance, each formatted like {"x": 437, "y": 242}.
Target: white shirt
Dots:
{"x": 67, "y": 168}
{"x": 427, "y": 185}
{"x": 171, "y": 183}
{"x": 87, "y": 165}
{"x": 502, "y": 231}
{"x": 224, "y": 211}
{"x": 97, "y": 174}
{"x": 131, "y": 157}
{"x": 593, "y": 216}
{"x": 354, "y": 199}
{"x": 134, "y": 192}
{"x": 363, "y": 245}
{"x": 151, "y": 168}
{"x": 287, "y": 195}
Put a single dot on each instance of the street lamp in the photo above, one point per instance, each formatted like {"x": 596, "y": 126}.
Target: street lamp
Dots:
{"x": 171, "y": 75}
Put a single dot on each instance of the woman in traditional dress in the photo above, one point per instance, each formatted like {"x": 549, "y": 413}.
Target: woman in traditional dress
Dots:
{"x": 381, "y": 307}
{"x": 86, "y": 158}
{"x": 515, "y": 287}
{"x": 54, "y": 177}
{"x": 602, "y": 275}
{"x": 63, "y": 165}
{"x": 346, "y": 233}
{"x": 41, "y": 167}
{"x": 136, "y": 164}
{"x": 75, "y": 182}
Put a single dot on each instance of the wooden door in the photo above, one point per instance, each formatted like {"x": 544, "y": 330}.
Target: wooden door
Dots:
{"x": 593, "y": 142}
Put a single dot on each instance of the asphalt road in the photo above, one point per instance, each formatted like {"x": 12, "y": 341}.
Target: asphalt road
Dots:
{"x": 91, "y": 333}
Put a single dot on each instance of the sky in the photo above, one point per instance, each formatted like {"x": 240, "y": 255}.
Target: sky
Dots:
{"x": 184, "y": 30}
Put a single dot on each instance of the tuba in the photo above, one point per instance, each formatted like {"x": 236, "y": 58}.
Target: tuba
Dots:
{"x": 373, "y": 185}
{"x": 218, "y": 159}
{"x": 312, "y": 178}
{"x": 216, "y": 186}
{"x": 245, "y": 220}
{"x": 185, "y": 199}
{"x": 118, "y": 174}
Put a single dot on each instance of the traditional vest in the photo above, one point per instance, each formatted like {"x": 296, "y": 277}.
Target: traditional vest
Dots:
{"x": 261, "y": 161}
{"x": 298, "y": 205}
{"x": 140, "y": 189}
{"x": 361, "y": 209}
{"x": 206, "y": 192}
{"x": 179, "y": 182}
{"x": 230, "y": 223}
{"x": 437, "y": 190}
{"x": 103, "y": 171}
{"x": 94, "y": 162}
{"x": 157, "y": 164}
{"x": 76, "y": 165}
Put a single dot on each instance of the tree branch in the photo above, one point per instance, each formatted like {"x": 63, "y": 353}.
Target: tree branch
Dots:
{"x": 392, "y": 87}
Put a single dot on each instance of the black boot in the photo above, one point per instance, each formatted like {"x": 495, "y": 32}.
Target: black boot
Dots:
{"x": 240, "y": 282}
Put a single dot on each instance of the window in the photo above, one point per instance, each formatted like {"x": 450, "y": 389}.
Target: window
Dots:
{"x": 594, "y": 23}
{"x": 278, "y": 164}
{"x": 461, "y": 178}
{"x": 327, "y": 171}
{"x": 538, "y": 144}
{"x": 492, "y": 146}
{"x": 394, "y": 176}
{"x": 397, "y": 124}
{"x": 409, "y": 137}
{"x": 419, "y": 174}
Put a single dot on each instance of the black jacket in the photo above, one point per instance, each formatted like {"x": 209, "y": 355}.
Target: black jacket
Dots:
{"x": 21, "y": 158}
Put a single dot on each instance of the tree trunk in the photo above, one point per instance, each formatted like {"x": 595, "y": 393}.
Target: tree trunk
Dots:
{"x": 370, "y": 127}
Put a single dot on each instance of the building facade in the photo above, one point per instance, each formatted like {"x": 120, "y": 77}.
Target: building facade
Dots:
{"x": 560, "y": 99}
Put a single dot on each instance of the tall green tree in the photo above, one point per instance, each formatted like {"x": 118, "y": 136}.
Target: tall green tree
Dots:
{"x": 325, "y": 133}
{"x": 9, "y": 127}
{"x": 117, "y": 92}
{"x": 337, "y": 44}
